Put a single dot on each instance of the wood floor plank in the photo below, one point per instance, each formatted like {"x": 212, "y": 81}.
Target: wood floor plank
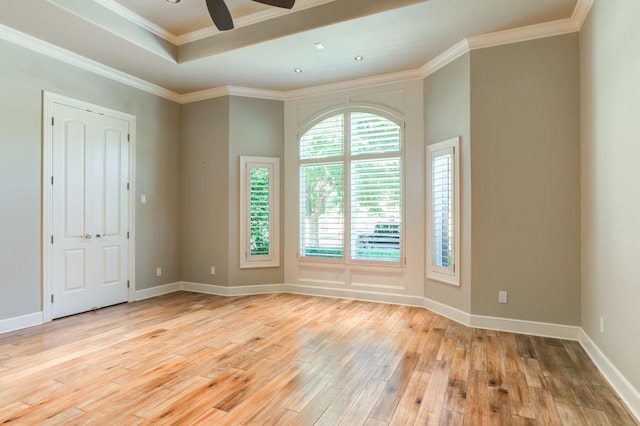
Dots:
{"x": 188, "y": 358}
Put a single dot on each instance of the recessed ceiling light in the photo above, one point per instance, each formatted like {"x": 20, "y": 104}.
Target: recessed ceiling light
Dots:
{"x": 297, "y": 70}
{"x": 318, "y": 46}
{"x": 358, "y": 58}
{"x": 173, "y": 1}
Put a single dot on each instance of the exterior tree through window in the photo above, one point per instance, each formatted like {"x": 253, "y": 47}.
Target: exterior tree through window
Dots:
{"x": 351, "y": 188}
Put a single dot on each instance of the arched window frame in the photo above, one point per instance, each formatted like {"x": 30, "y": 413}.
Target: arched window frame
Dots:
{"x": 346, "y": 159}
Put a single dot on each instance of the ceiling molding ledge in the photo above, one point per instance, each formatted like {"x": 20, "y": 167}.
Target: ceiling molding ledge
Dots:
{"x": 581, "y": 12}
{"x": 244, "y": 21}
{"x": 445, "y": 58}
{"x": 39, "y": 46}
{"x": 217, "y": 92}
{"x": 133, "y": 17}
{"x": 517, "y": 35}
{"x": 360, "y": 83}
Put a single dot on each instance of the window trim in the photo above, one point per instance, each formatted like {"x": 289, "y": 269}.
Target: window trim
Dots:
{"x": 273, "y": 258}
{"x": 433, "y": 272}
{"x": 346, "y": 159}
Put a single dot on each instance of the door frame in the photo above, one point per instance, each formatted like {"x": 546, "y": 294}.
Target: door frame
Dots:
{"x": 48, "y": 101}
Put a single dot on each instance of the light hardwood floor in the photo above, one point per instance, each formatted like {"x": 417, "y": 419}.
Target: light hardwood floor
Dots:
{"x": 284, "y": 359}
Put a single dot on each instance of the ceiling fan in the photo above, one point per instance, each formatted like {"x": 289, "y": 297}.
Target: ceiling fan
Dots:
{"x": 222, "y": 18}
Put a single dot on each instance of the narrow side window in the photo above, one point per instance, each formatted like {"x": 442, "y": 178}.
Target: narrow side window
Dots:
{"x": 443, "y": 236}
{"x": 259, "y": 212}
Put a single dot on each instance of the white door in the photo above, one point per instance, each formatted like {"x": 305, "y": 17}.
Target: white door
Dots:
{"x": 90, "y": 211}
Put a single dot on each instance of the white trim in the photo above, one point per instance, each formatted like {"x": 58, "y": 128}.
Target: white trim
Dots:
{"x": 209, "y": 31}
{"x": 148, "y": 293}
{"x": 244, "y": 21}
{"x": 345, "y": 293}
{"x": 517, "y": 35}
{"x": 580, "y": 12}
{"x": 445, "y": 58}
{"x": 447, "y": 311}
{"x": 627, "y": 392}
{"x": 218, "y": 290}
{"x": 140, "y": 21}
{"x": 272, "y": 258}
{"x": 443, "y": 274}
{"x": 535, "y": 328}
{"x": 341, "y": 86}
{"x": 68, "y": 57}
{"x": 548, "y": 29}
{"x": 217, "y": 92}
{"x": 23, "y": 321}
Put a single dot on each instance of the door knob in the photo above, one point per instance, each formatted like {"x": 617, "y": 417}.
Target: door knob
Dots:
{"x": 88, "y": 236}
{"x": 99, "y": 235}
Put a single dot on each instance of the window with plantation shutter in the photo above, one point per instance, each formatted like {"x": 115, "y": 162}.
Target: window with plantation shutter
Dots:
{"x": 351, "y": 189}
{"x": 442, "y": 211}
{"x": 259, "y": 233}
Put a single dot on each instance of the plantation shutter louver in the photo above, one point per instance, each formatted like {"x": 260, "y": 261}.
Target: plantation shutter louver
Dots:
{"x": 355, "y": 155}
{"x": 442, "y": 198}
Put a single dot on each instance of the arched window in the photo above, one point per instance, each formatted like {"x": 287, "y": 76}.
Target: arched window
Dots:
{"x": 351, "y": 204}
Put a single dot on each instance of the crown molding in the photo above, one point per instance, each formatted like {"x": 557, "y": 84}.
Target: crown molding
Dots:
{"x": 39, "y": 46}
{"x": 217, "y": 92}
{"x": 445, "y": 58}
{"x": 581, "y": 11}
{"x": 376, "y": 80}
{"x": 517, "y": 35}
{"x": 133, "y": 17}
{"x": 532, "y": 32}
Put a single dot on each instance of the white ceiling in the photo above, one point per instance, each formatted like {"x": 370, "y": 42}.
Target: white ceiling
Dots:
{"x": 176, "y": 47}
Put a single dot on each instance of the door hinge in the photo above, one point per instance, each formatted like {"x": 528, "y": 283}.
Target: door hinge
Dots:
{"x": 52, "y": 120}
{"x": 52, "y": 239}
{"x": 52, "y": 298}
{"x": 128, "y": 284}
{"x": 127, "y": 235}
{"x": 127, "y": 186}
{"x": 51, "y": 180}
{"x": 129, "y": 137}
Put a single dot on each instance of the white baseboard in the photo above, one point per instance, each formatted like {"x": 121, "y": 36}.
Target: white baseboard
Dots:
{"x": 367, "y": 296}
{"x": 627, "y": 392}
{"x": 447, "y": 311}
{"x": 24, "y": 321}
{"x": 534, "y": 328}
{"x": 219, "y": 290}
{"x": 148, "y": 293}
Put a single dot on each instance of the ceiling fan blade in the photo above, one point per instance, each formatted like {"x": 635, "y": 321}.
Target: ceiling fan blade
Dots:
{"x": 287, "y": 4}
{"x": 220, "y": 14}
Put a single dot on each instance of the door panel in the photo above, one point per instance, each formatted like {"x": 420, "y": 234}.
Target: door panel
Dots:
{"x": 112, "y": 213}
{"x": 73, "y": 167}
{"x": 89, "y": 210}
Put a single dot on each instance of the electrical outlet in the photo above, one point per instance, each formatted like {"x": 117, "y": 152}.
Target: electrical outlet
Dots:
{"x": 502, "y": 296}
{"x": 213, "y": 270}
{"x": 601, "y": 324}
{"x": 158, "y": 272}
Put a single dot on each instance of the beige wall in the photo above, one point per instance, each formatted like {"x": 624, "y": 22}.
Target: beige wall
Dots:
{"x": 23, "y": 76}
{"x": 255, "y": 128}
{"x": 610, "y": 93}
{"x": 526, "y": 180}
{"x": 215, "y": 133}
{"x": 447, "y": 98}
{"x": 205, "y": 191}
